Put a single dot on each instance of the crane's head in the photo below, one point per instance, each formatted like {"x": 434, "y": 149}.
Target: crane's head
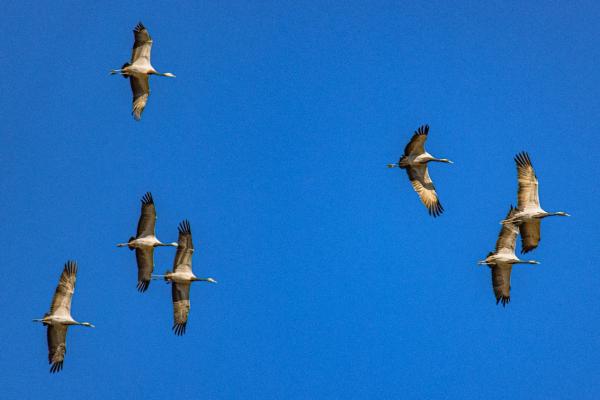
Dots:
{"x": 168, "y": 75}
{"x": 211, "y": 280}
{"x": 87, "y": 324}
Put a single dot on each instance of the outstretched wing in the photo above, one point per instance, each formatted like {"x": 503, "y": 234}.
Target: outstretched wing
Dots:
{"x": 145, "y": 264}
{"x": 61, "y": 301}
{"x": 57, "y": 346}
{"x": 147, "y": 221}
{"x": 421, "y": 182}
{"x": 527, "y": 196}
{"x": 181, "y": 306}
{"x": 530, "y": 235}
{"x": 185, "y": 248}
{"x": 508, "y": 235}
{"x": 140, "y": 88}
{"x": 501, "y": 282}
{"x": 416, "y": 145}
{"x": 141, "y": 46}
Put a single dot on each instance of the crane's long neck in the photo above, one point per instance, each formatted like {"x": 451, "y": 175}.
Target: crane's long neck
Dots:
{"x": 159, "y": 244}
{"x": 558, "y": 213}
{"x": 444, "y": 160}
{"x": 526, "y": 262}
{"x": 211, "y": 280}
{"x": 167, "y": 74}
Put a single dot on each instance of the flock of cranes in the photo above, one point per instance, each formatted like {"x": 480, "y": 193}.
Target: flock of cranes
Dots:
{"x": 58, "y": 319}
{"x": 524, "y": 219}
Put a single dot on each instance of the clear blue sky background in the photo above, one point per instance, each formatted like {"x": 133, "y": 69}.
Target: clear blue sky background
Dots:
{"x": 272, "y": 140}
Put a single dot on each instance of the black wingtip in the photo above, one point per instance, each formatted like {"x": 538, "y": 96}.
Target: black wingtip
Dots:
{"x": 71, "y": 267}
{"x": 147, "y": 198}
{"x": 179, "y": 329}
{"x": 510, "y": 212}
{"x": 526, "y": 250}
{"x": 436, "y": 210}
{"x": 56, "y": 367}
{"x": 422, "y": 130}
{"x": 184, "y": 227}
{"x": 503, "y": 299}
{"x": 142, "y": 286}
{"x": 139, "y": 27}
{"x": 522, "y": 159}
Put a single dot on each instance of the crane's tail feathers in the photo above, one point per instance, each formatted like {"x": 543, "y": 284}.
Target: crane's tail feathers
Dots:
{"x": 122, "y": 68}
{"x": 165, "y": 276}
{"x": 403, "y": 163}
{"x": 128, "y": 244}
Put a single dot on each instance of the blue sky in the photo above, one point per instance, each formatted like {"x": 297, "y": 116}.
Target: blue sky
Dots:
{"x": 333, "y": 280}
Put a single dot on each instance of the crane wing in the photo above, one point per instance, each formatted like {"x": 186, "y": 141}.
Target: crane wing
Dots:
{"x": 185, "y": 248}
{"x": 61, "y": 301}
{"x": 501, "y": 282}
{"x": 57, "y": 346}
{"x": 416, "y": 145}
{"x": 140, "y": 89}
{"x": 508, "y": 235}
{"x": 530, "y": 235}
{"x": 421, "y": 182}
{"x": 145, "y": 264}
{"x": 527, "y": 196}
{"x": 181, "y": 306}
{"x": 141, "y": 46}
{"x": 147, "y": 221}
